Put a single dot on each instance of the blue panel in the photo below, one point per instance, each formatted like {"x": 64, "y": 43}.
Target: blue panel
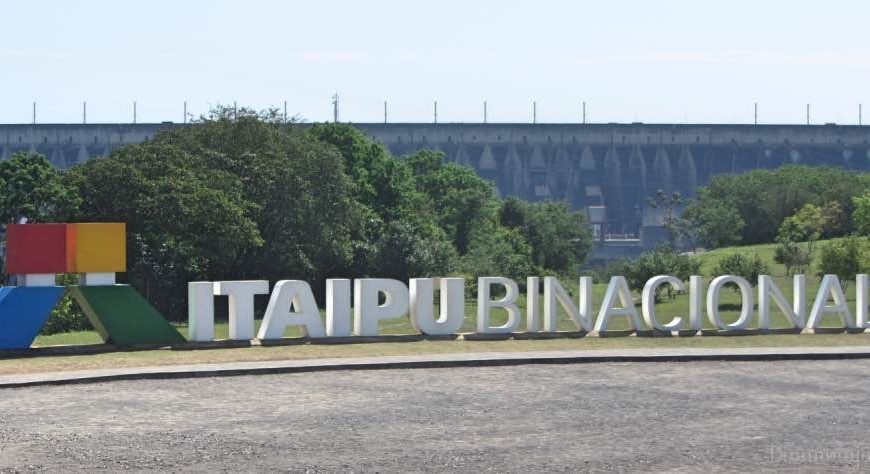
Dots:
{"x": 23, "y": 312}
{"x": 5, "y": 290}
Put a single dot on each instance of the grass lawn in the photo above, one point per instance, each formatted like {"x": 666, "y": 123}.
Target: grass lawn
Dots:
{"x": 309, "y": 351}
{"x": 678, "y": 306}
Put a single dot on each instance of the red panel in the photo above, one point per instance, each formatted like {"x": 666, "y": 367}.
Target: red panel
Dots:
{"x": 36, "y": 248}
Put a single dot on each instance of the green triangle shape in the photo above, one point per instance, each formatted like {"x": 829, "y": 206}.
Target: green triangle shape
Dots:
{"x": 122, "y": 316}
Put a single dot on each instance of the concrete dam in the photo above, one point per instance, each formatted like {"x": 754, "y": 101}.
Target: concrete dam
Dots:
{"x": 607, "y": 169}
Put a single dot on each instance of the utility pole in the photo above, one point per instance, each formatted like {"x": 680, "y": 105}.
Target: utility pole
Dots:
{"x": 808, "y": 114}
{"x": 534, "y": 112}
{"x": 34, "y": 113}
{"x": 335, "y": 107}
{"x": 584, "y": 112}
{"x": 436, "y": 111}
{"x": 756, "y": 113}
{"x": 84, "y": 112}
{"x": 285, "y": 111}
{"x": 235, "y": 111}
{"x": 134, "y": 112}
{"x": 185, "y": 112}
{"x": 385, "y": 111}
{"x": 484, "y": 112}
{"x": 859, "y": 114}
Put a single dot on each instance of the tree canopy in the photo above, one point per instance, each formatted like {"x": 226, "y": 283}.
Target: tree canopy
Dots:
{"x": 756, "y": 203}
{"x": 31, "y": 189}
{"x": 243, "y": 195}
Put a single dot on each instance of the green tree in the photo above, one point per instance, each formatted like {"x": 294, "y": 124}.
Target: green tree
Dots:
{"x": 381, "y": 182}
{"x": 513, "y": 213}
{"x": 241, "y": 194}
{"x": 401, "y": 252}
{"x": 388, "y": 204}
{"x": 765, "y": 198}
{"x": 670, "y": 205}
{"x": 844, "y": 257}
{"x": 836, "y": 220}
{"x": 717, "y": 223}
{"x": 301, "y": 200}
{"x": 807, "y": 225}
{"x": 812, "y": 223}
{"x": 496, "y": 250}
{"x": 31, "y": 189}
{"x": 861, "y": 214}
{"x": 788, "y": 251}
{"x": 560, "y": 238}
{"x": 185, "y": 220}
{"x": 461, "y": 199}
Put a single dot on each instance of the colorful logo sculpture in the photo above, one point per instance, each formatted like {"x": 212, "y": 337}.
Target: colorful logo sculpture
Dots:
{"x": 96, "y": 251}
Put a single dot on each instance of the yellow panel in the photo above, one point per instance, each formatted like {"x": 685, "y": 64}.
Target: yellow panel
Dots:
{"x": 101, "y": 247}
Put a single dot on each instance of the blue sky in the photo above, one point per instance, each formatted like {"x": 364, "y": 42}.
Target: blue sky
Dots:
{"x": 650, "y": 61}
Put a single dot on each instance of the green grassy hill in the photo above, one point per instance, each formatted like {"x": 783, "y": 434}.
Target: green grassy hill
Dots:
{"x": 765, "y": 251}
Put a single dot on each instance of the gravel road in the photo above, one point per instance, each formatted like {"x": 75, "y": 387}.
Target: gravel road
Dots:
{"x": 652, "y": 416}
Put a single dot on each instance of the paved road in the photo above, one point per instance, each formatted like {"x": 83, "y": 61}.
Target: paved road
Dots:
{"x": 662, "y": 416}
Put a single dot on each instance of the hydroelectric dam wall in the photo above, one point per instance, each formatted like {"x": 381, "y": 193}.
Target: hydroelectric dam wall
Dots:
{"x": 607, "y": 169}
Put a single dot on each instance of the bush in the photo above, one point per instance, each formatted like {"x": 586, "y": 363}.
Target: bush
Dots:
{"x": 843, "y": 257}
{"x": 740, "y": 265}
{"x": 614, "y": 267}
{"x": 67, "y": 316}
{"x": 661, "y": 261}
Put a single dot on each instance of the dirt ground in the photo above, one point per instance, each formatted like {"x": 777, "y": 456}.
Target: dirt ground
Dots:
{"x": 745, "y": 416}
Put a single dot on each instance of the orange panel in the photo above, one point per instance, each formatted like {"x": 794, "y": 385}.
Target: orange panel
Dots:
{"x": 71, "y": 248}
{"x": 100, "y": 247}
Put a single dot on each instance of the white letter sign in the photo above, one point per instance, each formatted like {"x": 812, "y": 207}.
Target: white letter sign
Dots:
{"x": 555, "y": 293}
{"x": 291, "y": 304}
{"x": 830, "y": 287}
{"x": 648, "y": 302}
{"x": 241, "y": 304}
{"x": 617, "y": 290}
{"x": 200, "y": 310}
{"x": 713, "y": 302}
{"x": 796, "y": 314}
{"x": 452, "y": 305}
{"x": 367, "y": 313}
{"x": 485, "y": 305}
